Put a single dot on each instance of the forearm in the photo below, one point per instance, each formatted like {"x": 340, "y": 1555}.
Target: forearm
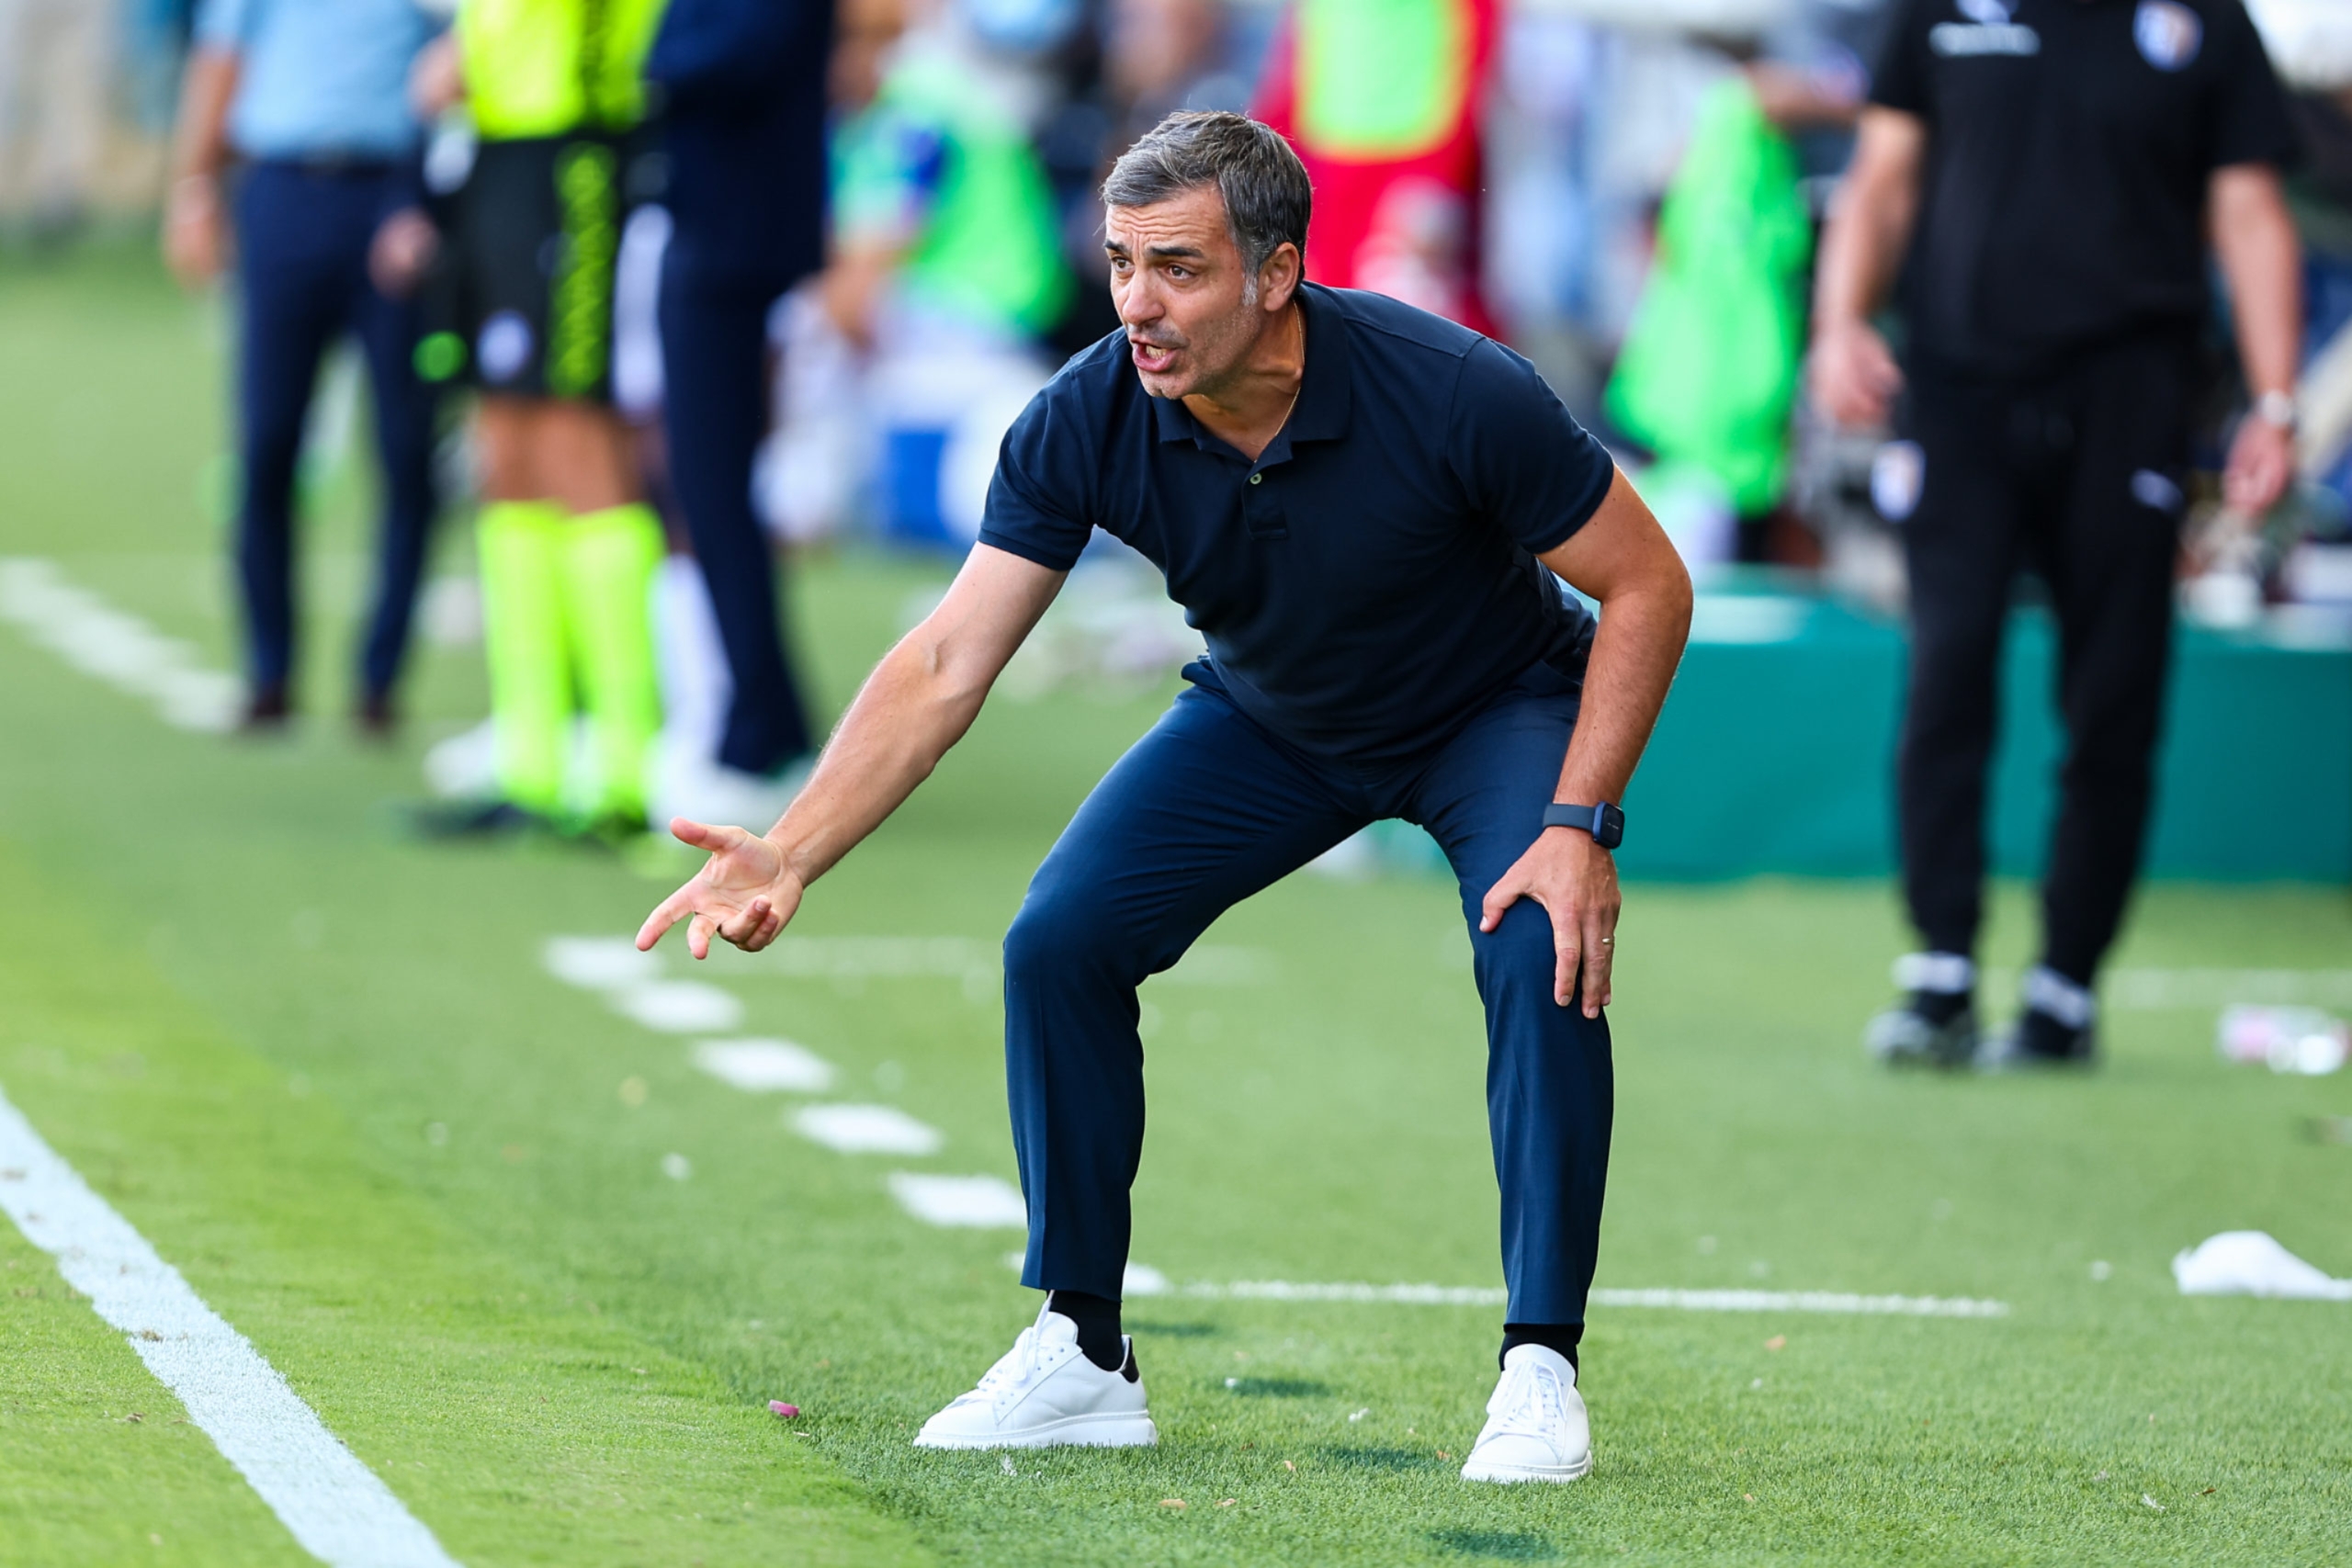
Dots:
{"x": 2262, "y": 261}
{"x": 1859, "y": 256}
{"x": 1635, "y": 655}
{"x": 913, "y": 709}
{"x": 200, "y": 139}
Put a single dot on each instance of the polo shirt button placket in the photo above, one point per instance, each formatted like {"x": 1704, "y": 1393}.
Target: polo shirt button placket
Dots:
{"x": 1257, "y": 479}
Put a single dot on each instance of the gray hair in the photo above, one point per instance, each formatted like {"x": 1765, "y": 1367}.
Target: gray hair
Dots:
{"x": 1267, "y": 198}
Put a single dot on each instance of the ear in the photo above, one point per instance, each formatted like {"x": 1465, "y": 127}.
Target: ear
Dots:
{"x": 1279, "y": 277}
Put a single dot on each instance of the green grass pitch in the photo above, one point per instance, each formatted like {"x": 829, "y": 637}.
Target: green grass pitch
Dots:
{"x": 323, "y": 1072}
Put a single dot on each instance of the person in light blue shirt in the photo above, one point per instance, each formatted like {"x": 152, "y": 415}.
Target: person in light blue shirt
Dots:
{"x": 306, "y": 102}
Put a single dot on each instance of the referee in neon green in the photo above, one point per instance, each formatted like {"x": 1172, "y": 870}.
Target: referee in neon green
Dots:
{"x": 524, "y": 287}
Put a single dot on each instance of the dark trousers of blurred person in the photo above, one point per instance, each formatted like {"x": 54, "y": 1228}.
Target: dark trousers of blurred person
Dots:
{"x": 2075, "y": 475}
{"x": 303, "y": 232}
{"x": 745, "y": 89}
{"x": 714, "y": 376}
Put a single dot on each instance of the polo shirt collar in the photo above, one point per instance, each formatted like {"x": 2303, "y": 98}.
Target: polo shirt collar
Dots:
{"x": 1326, "y": 400}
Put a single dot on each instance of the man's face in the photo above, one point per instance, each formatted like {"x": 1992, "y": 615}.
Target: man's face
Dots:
{"x": 1177, "y": 280}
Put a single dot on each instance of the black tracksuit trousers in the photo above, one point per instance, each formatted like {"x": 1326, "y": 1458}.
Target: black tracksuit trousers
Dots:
{"x": 2077, "y": 476}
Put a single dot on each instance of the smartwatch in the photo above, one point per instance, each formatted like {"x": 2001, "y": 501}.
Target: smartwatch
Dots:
{"x": 1604, "y": 822}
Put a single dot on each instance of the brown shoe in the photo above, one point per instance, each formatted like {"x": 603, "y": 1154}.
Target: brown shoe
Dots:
{"x": 267, "y": 710}
{"x": 377, "y": 718}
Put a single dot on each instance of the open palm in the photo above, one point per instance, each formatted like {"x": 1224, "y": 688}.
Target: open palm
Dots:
{"x": 745, "y": 894}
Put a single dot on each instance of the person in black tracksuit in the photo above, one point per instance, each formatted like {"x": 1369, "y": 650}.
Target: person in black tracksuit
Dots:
{"x": 742, "y": 86}
{"x": 2052, "y": 169}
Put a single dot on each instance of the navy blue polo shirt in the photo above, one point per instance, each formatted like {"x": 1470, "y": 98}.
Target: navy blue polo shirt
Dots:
{"x": 1371, "y": 581}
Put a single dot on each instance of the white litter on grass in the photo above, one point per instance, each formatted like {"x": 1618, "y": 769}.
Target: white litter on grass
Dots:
{"x": 764, "y": 1067}
{"x": 2253, "y": 1263}
{"x": 335, "y": 1506}
{"x": 678, "y": 1006}
{"x": 960, "y": 1202}
{"x": 599, "y": 963}
{"x": 116, "y": 647}
{"x": 866, "y": 1130}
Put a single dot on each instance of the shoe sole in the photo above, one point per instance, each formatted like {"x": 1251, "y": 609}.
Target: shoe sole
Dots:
{"x": 1069, "y": 1432}
{"x": 1510, "y": 1474}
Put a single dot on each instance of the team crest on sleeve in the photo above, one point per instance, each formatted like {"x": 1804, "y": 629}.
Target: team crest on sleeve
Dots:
{"x": 2169, "y": 34}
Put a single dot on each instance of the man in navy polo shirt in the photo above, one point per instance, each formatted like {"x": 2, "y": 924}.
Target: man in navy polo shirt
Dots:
{"x": 1362, "y": 506}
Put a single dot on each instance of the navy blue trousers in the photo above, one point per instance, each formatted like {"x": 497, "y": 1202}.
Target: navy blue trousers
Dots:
{"x": 1210, "y": 806}
{"x": 302, "y": 238}
{"x": 714, "y": 372}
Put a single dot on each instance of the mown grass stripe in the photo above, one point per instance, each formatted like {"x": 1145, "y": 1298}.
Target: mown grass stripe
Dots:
{"x": 335, "y": 1507}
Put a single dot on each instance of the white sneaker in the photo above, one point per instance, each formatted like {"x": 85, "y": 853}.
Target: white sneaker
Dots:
{"x": 1045, "y": 1394}
{"x": 1536, "y": 1429}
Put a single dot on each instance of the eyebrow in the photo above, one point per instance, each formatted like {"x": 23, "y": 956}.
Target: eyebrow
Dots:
{"x": 1178, "y": 252}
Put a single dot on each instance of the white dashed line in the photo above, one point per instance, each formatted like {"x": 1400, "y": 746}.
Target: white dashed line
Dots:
{"x": 866, "y": 1130}
{"x": 764, "y": 1067}
{"x": 678, "y": 1006}
{"x": 961, "y": 1203}
{"x": 600, "y": 963}
{"x": 116, "y": 647}
{"x": 335, "y": 1506}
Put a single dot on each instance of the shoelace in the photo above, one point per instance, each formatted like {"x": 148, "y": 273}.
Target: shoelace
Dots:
{"x": 1534, "y": 1403}
{"x": 1015, "y": 1369}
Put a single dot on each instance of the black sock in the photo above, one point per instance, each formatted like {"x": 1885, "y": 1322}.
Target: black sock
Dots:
{"x": 1559, "y": 1337}
{"x": 1098, "y": 1326}
{"x": 1940, "y": 1008}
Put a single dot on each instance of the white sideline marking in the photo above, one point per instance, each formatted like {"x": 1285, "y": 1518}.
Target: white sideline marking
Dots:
{"x": 867, "y": 1130}
{"x": 764, "y": 1067}
{"x": 599, "y": 963}
{"x": 116, "y": 647}
{"x": 678, "y": 1006}
{"x": 1137, "y": 1280}
{"x": 961, "y": 957}
{"x": 335, "y": 1506}
{"x": 960, "y": 1202}
{"x": 1489, "y": 1295}
{"x": 1804, "y": 1300}
{"x": 2156, "y": 989}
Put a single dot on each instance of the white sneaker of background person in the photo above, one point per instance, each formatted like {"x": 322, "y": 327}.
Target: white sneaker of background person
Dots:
{"x": 1045, "y": 1394}
{"x": 1536, "y": 1429}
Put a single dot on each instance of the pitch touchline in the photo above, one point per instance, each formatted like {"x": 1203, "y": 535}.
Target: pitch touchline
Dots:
{"x": 335, "y": 1506}
{"x": 115, "y": 646}
{"x": 1673, "y": 1301}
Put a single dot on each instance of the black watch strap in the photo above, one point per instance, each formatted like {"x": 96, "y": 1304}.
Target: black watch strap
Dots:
{"x": 1604, "y": 822}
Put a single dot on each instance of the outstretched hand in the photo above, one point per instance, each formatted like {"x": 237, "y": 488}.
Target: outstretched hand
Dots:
{"x": 745, "y": 894}
{"x": 1576, "y": 882}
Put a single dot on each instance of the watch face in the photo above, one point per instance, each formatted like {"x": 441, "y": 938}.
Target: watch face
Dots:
{"x": 1612, "y": 827}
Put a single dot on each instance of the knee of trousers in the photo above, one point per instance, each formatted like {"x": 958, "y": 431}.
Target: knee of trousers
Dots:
{"x": 1517, "y": 960}
{"x": 1060, "y": 942}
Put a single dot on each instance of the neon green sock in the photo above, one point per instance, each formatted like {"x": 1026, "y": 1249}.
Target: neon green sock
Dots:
{"x": 530, "y": 688}
{"x": 609, "y": 558}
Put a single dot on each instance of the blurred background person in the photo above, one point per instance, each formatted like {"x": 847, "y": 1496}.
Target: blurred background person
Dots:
{"x": 522, "y": 287}
{"x": 54, "y": 56}
{"x": 295, "y": 135}
{"x": 1384, "y": 103}
{"x": 1708, "y": 373}
{"x": 742, "y": 89}
{"x": 2050, "y": 170}
{"x": 946, "y": 270}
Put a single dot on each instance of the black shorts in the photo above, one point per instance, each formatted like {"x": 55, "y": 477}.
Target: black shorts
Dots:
{"x": 520, "y": 300}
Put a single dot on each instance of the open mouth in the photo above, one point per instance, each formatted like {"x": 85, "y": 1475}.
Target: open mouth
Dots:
{"x": 1151, "y": 358}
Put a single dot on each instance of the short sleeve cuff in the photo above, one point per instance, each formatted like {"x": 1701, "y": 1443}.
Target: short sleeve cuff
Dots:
{"x": 1051, "y": 556}
{"x": 1586, "y": 506}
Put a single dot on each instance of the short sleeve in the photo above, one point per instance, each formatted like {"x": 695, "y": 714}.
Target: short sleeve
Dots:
{"x": 1899, "y": 75}
{"x": 1040, "y": 499}
{"x": 225, "y": 24}
{"x": 2251, "y": 122}
{"x": 1521, "y": 456}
